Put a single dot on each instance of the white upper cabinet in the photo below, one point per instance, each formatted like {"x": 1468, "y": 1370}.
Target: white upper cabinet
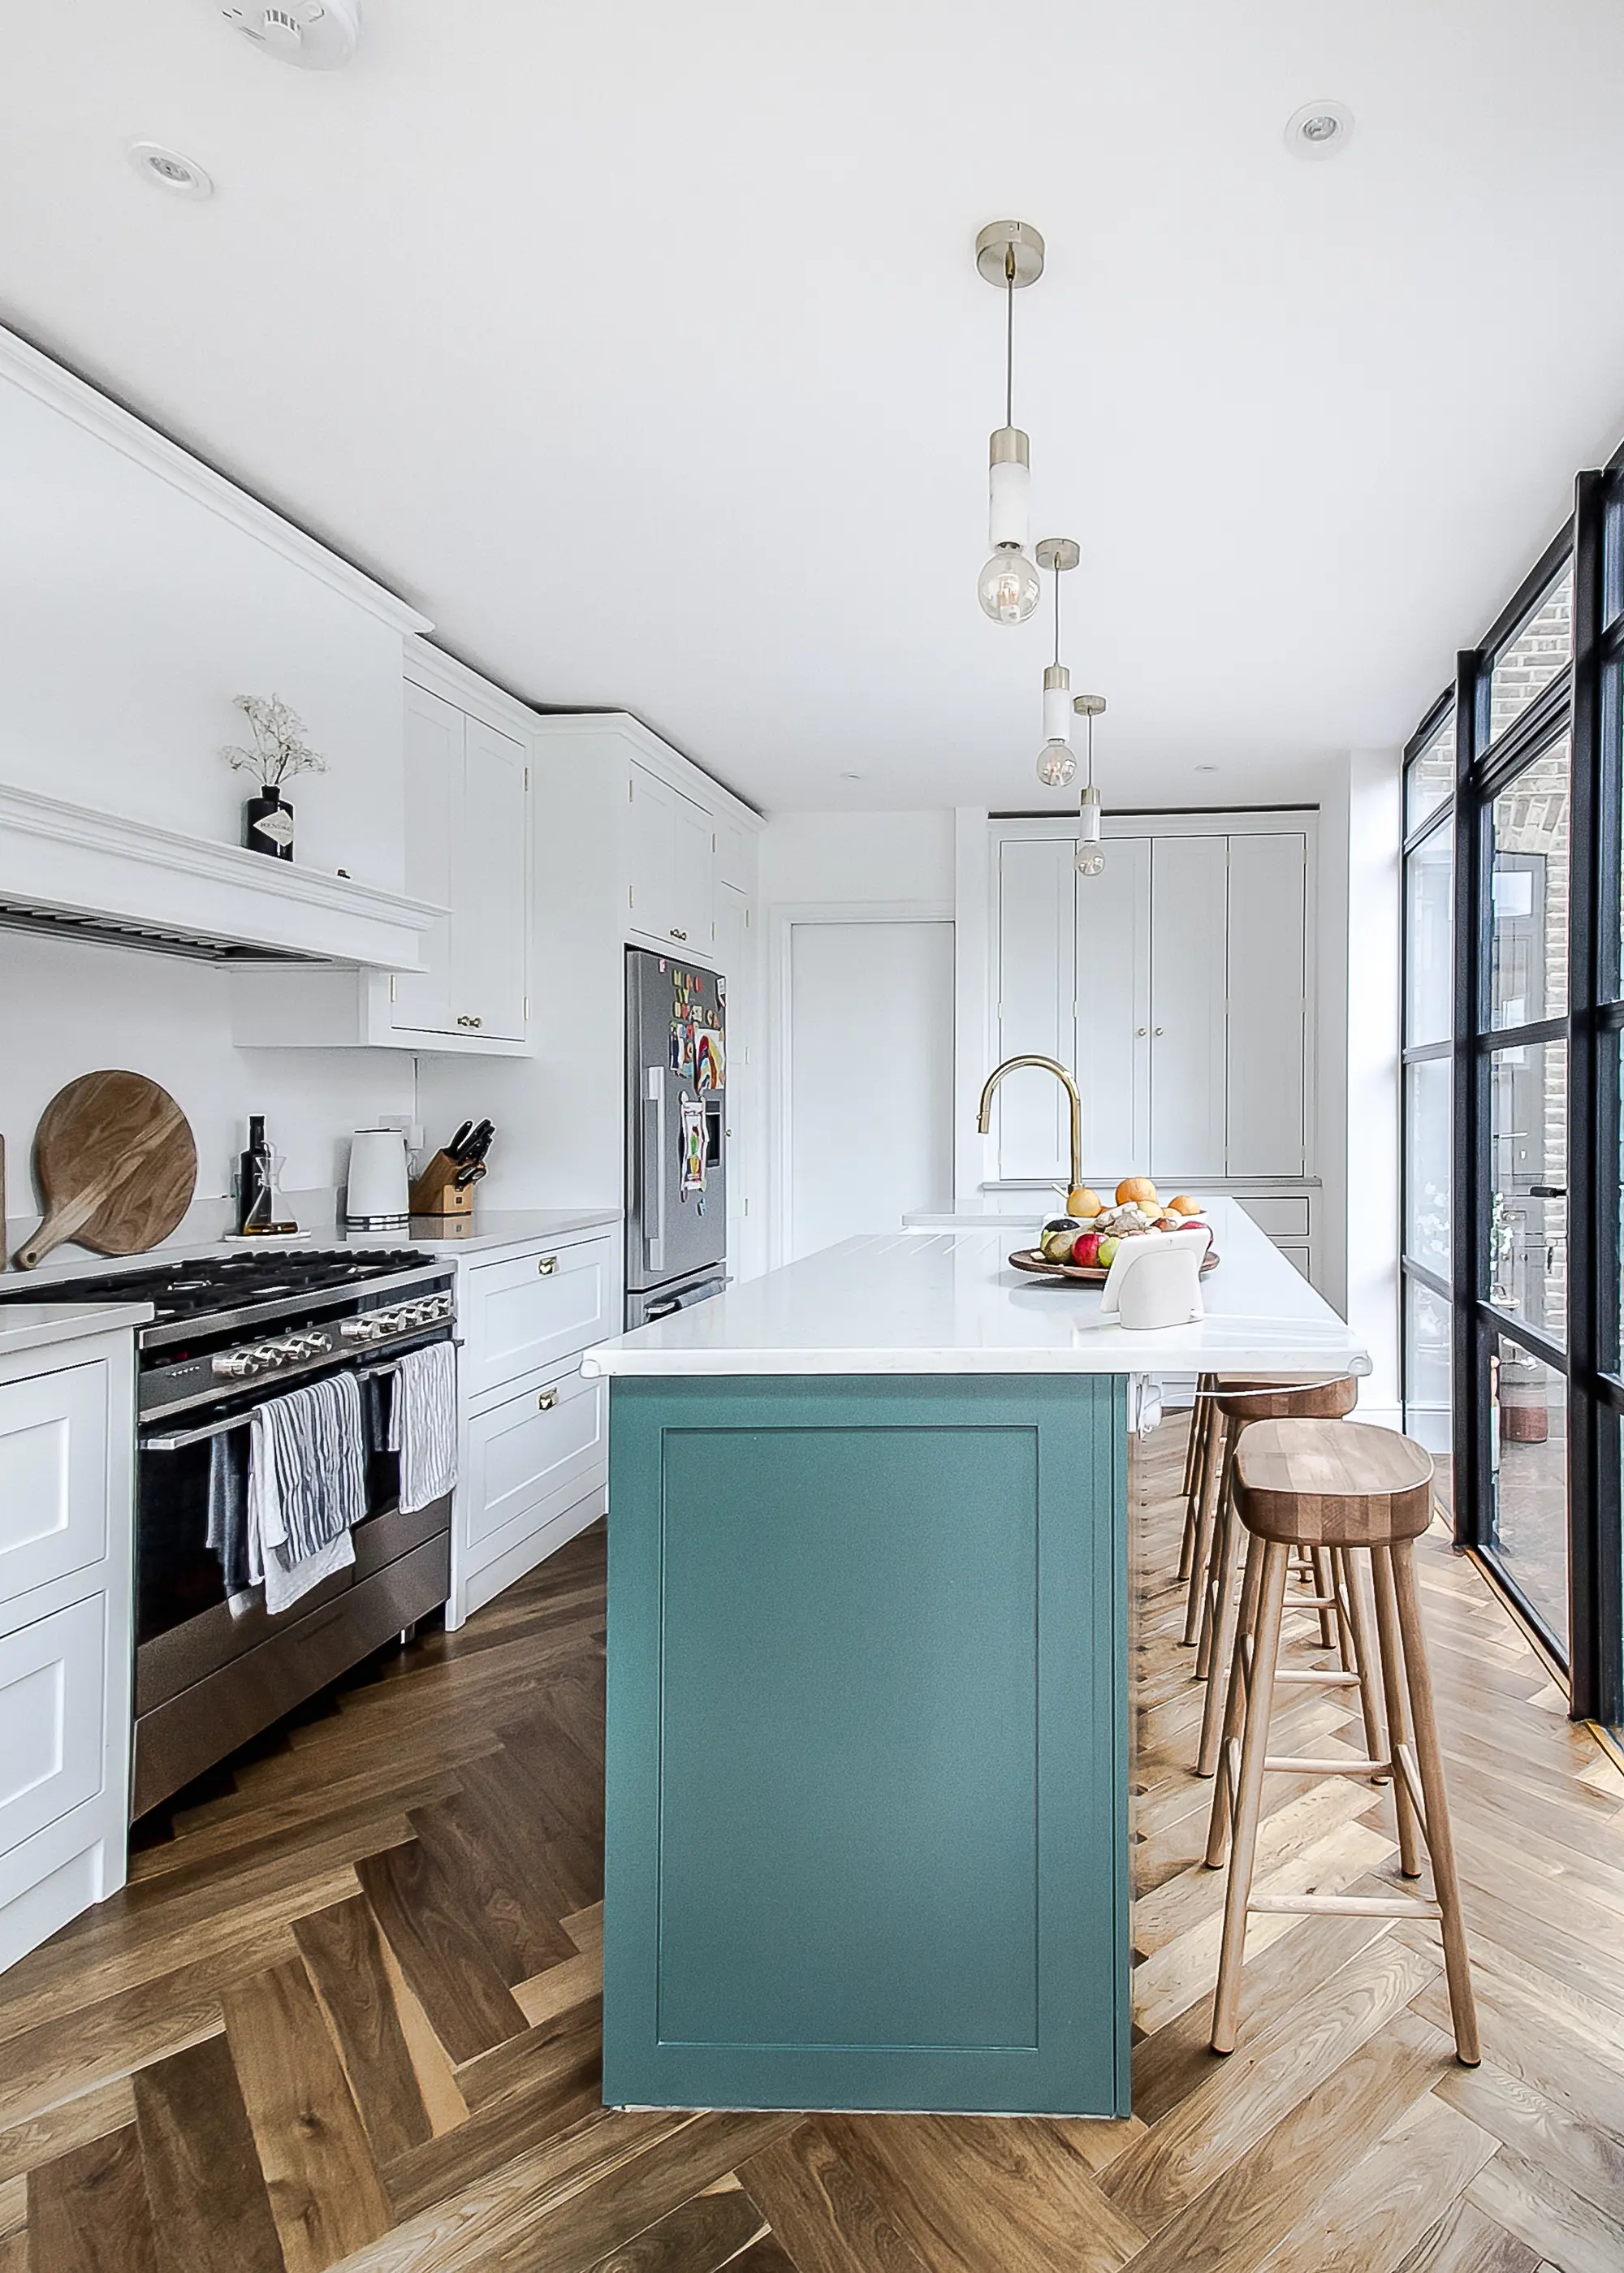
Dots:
{"x": 669, "y": 889}
{"x": 1189, "y": 1059}
{"x": 1267, "y": 1101}
{"x": 467, "y": 847}
{"x": 1174, "y": 986}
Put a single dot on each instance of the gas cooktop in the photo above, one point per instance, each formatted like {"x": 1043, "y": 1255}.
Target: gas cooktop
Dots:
{"x": 218, "y": 1286}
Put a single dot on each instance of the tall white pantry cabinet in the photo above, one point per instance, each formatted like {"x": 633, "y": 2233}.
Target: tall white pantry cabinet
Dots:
{"x": 1178, "y": 985}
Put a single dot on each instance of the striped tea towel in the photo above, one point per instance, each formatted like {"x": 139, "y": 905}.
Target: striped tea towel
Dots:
{"x": 306, "y": 1487}
{"x": 422, "y": 1424}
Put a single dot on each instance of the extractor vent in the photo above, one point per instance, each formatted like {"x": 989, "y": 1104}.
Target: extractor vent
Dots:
{"x": 105, "y": 931}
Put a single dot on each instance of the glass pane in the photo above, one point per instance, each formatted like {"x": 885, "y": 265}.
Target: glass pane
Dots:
{"x": 1427, "y": 1376}
{"x": 1528, "y": 1447}
{"x": 1528, "y": 1136}
{"x": 1431, "y": 778}
{"x": 1529, "y": 977}
{"x": 1426, "y": 1163}
{"x": 1429, "y": 882}
{"x": 1533, "y": 655}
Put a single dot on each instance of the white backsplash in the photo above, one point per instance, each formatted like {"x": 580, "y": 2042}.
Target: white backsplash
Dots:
{"x": 67, "y": 1008}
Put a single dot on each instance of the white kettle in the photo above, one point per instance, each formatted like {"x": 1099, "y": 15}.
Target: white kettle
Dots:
{"x": 375, "y": 1197}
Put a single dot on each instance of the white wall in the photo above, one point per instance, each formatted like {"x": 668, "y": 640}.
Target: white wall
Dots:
{"x": 820, "y": 858}
{"x": 132, "y": 612}
{"x": 1370, "y": 1150}
{"x": 67, "y": 1008}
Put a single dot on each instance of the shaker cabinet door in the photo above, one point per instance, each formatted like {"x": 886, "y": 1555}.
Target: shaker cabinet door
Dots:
{"x": 489, "y": 962}
{"x": 434, "y": 733}
{"x": 1268, "y": 1005}
{"x": 1188, "y": 1058}
{"x": 670, "y": 867}
{"x": 1114, "y": 1013}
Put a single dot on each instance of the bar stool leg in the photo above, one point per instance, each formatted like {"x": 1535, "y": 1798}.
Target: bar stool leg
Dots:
{"x": 1224, "y": 1624}
{"x": 1358, "y": 1657}
{"x": 1217, "y": 1456}
{"x": 1397, "y": 1718}
{"x": 1195, "y": 1473}
{"x": 1319, "y": 1564}
{"x": 1440, "y": 1837}
{"x": 1248, "y": 1802}
{"x": 1235, "y": 1703}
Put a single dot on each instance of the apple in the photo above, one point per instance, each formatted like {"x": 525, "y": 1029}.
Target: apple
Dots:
{"x": 1086, "y": 1248}
{"x": 1057, "y": 1242}
{"x": 1106, "y": 1252}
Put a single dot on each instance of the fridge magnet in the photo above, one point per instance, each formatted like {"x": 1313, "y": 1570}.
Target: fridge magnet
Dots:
{"x": 681, "y": 1048}
{"x": 708, "y": 1057}
{"x": 692, "y": 1146}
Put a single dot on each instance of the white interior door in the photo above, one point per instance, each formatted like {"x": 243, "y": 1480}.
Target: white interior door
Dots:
{"x": 1114, "y": 1013}
{"x": 1267, "y": 1003}
{"x": 1037, "y": 989}
{"x": 1188, "y": 917}
{"x": 869, "y": 1078}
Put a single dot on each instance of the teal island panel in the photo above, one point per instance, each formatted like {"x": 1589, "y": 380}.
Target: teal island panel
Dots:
{"x": 867, "y": 1792}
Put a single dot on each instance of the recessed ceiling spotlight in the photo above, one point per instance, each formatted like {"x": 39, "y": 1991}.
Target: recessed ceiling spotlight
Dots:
{"x": 1319, "y": 130}
{"x": 845, "y": 776}
{"x": 181, "y": 176}
{"x": 315, "y": 34}
{"x": 1206, "y": 769}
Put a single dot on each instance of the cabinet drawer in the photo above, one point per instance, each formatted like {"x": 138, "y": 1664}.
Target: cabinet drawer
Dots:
{"x": 524, "y": 1316}
{"x": 1285, "y": 1219}
{"x": 52, "y": 1675}
{"x": 53, "y": 1476}
{"x": 536, "y": 1451}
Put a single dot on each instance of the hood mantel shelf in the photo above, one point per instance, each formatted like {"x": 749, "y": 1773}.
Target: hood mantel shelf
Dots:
{"x": 123, "y": 882}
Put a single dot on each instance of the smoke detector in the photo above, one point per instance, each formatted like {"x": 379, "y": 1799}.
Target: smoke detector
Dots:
{"x": 315, "y": 34}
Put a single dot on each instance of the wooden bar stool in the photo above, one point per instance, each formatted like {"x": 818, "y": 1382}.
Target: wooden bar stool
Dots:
{"x": 1240, "y": 1406}
{"x": 1367, "y": 1494}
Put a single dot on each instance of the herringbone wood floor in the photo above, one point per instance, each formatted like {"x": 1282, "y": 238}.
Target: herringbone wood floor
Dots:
{"x": 347, "y": 2013}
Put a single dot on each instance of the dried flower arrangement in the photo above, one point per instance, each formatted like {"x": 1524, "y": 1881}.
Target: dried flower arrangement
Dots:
{"x": 280, "y": 749}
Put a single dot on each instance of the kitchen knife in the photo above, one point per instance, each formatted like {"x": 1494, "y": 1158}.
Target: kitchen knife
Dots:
{"x": 470, "y": 1173}
{"x": 454, "y": 1151}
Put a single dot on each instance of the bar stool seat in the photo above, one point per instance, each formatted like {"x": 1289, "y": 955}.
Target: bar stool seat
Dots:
{"x": 1353, "y": 1490}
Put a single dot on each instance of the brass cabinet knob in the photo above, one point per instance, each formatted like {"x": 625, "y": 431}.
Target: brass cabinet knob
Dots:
{"x": 546, "y": 1264}
{"x": 548, "y": 1399}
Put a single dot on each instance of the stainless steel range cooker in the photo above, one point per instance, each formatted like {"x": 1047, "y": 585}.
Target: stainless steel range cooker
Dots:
{"x": 213, "y": 1669}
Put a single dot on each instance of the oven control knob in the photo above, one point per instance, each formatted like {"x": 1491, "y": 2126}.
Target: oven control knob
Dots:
{"x": 237, "y": 1364}
{"x": 358, "y": 1330}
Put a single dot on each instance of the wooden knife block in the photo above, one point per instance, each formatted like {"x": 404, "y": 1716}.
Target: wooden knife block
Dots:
{"x": 436, "y": 1192}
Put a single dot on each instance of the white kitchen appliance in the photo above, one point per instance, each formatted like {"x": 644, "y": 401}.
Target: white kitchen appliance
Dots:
{"x": 375, "y": 1197}
{"x": 1156, "y": 1281}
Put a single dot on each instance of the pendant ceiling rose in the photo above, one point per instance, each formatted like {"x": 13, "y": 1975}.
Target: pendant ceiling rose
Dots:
{"x": 1058, "y": 552}
{"x": 998, "y": 241}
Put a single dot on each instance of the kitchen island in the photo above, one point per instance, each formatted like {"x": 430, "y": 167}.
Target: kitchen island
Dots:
{"x": 867, "y": 1756}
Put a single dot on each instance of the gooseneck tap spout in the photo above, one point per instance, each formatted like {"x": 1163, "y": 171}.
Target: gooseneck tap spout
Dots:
{"x": 984, "y": 1118}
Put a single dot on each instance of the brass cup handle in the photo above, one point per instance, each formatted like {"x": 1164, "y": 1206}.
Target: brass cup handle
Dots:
{"x": 546, "y": 1264}
{"x": 678, "y": 934}
{"x": 546, "y": 1399}
{"x": 463, "y": 1019}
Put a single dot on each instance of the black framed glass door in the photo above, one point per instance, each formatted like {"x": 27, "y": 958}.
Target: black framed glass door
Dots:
{"x": 1513, "y": 1053}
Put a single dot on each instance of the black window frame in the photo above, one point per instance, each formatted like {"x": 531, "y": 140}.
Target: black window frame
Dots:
{"x": 1586, "y": 701}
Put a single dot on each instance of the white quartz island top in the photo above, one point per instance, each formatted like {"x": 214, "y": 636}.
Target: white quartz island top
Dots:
{"x": 919, "y": 1302}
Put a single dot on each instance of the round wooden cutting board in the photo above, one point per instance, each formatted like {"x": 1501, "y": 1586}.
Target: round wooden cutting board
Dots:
{"x": 116, "y": 1164}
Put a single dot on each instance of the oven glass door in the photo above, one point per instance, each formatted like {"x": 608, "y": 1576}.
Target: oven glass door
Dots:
{"x": 190, "y": 1496}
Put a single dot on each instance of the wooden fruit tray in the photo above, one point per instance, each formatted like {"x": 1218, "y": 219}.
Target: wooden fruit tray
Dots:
{"x": 1084, "y": 1274}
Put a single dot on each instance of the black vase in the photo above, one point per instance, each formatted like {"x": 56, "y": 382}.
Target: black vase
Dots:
{"x": 267, "y": 824}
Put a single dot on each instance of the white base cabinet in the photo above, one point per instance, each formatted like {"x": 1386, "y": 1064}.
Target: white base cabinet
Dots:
{"x": 66, "y": 1439}
{"x": 533, "y": 1468}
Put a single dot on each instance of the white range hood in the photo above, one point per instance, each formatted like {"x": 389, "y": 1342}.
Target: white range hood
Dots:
{"x": 95, "y": 875}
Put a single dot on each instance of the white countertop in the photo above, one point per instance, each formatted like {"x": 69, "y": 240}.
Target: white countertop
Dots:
{"x": 486, "y": 1231}
{"x": 921, "y": 1301}
{"x": 33, "y": 1326}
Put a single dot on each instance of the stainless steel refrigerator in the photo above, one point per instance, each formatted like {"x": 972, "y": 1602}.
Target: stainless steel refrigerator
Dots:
{"x": 676, "y": 1155}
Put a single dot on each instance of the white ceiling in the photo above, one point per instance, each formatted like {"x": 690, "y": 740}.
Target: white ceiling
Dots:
{"x": 641, "y": 347}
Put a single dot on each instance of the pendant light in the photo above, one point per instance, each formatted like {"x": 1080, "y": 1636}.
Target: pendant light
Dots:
{"x": 1056, "y": 765}
{"x": 1091, "y": 860}
{"x": 1010, "y": 255}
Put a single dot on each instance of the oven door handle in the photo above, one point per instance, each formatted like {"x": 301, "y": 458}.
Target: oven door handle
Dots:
{"x": 179, "y": 1441}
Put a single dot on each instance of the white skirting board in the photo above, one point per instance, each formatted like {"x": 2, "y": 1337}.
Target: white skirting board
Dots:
{"x": 493, "y": 1579}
